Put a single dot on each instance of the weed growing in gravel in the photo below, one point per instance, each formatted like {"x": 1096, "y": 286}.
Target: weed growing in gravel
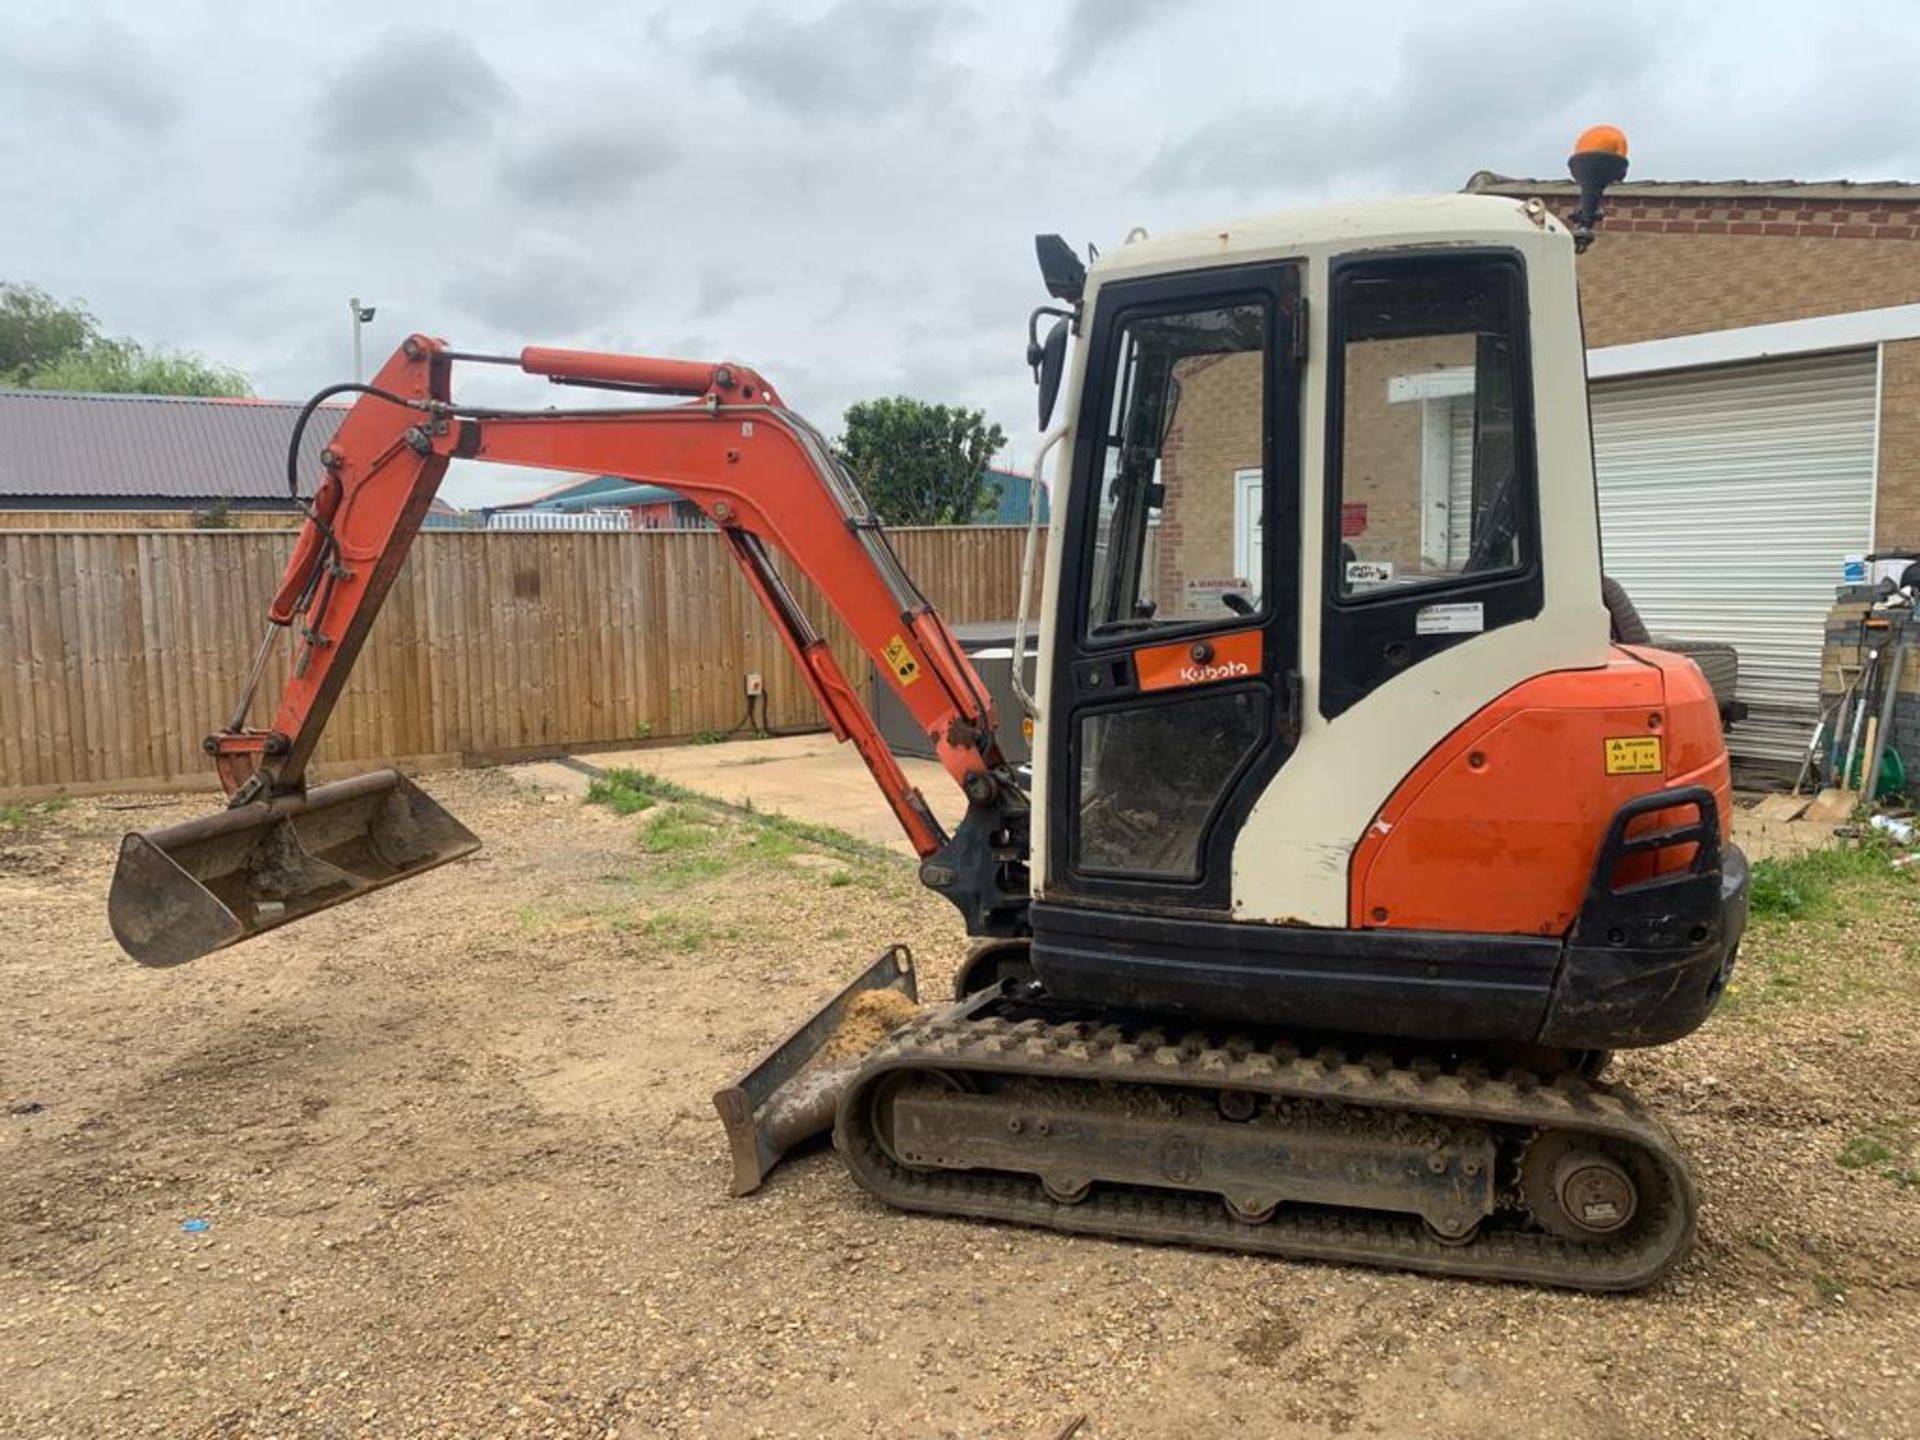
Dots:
{"x": 771, "y": 836}
{"x": 635, "y": 790}
{"x": 1885, "y": 1148}
{"x": 19, "y": 817}
{"x": 1817, "y": 933}
{"x": 686, "y": 839}
{"x": 676, "y": 830}
{"x": 1821, "y": 882}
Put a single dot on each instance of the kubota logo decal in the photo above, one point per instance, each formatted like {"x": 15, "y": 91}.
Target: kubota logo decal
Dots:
{"x": 1206, "y": 661}
{"x": 1202, "y": 674}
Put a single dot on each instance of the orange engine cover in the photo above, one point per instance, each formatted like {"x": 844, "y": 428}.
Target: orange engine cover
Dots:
{"x": 1497, "y": 830}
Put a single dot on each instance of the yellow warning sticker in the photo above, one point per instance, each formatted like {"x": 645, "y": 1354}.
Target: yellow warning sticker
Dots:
{"x": 905, "y": 668}
{"x": 1634, "y": 755}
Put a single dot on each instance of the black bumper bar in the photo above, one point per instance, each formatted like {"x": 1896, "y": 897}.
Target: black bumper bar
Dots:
{"x": 1644, "y": 963}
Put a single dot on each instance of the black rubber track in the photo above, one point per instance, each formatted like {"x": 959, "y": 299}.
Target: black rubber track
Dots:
{"x": 1508, "y": 1246}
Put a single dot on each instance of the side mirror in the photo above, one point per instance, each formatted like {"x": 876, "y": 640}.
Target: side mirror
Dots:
{"x": 1599, "y": 159}
{"x": 1053, "y": 366}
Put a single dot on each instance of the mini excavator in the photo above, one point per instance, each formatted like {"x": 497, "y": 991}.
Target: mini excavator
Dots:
{"x": 1354, "y": 840}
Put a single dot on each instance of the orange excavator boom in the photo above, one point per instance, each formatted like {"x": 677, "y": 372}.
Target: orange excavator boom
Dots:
{"x": 764, "y": 476}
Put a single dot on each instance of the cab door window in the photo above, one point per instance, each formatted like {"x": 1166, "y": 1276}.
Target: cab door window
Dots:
{"x": 1172, "y": 536}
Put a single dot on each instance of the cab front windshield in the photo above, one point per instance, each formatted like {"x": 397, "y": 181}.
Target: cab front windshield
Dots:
{"x": 1178, "y": 535}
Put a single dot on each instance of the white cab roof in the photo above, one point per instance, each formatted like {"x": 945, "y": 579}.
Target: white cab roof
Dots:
{"x": 1332, "y": 229}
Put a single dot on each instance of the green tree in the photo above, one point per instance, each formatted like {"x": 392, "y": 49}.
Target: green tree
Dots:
{"x": 921, "y": 464}
{"x": 45, "y": 345}
{"x": 36, "y": 330}
{"x": 122, "y": 367}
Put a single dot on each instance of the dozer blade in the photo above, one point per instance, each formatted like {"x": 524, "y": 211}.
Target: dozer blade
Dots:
{"x": 792, "y": 1094}
{"x": 186, "y": 890}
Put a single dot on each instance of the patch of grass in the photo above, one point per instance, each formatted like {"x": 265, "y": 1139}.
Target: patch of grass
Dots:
{"x": 686, "y": 931}
{"x": 825, "y": 837}
{"x": 696, "y": 834}
{"x": 534, "y": 917}
{"x": 19, "y": 817}
{"x": 708, "y": 737}
{"x": 1886, "y": 1148}
{"x": 675, "y": 830}
{"x": 627, "y": 792}
{"x": 1820, "y": 882}
{"x": 1818, "y": 931}
{"x": 1864, "y": 1150}
{"x": 771, "y": 844}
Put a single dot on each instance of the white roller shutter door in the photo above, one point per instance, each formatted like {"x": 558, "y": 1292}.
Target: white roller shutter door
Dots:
{"x": 1460, "y": 481}
{"x": 1728, "y": 498}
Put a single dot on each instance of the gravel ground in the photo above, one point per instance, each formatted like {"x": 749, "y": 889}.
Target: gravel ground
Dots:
{"x": 461, "y": 1177}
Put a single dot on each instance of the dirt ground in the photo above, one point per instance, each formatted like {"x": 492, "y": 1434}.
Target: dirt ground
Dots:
{"x": 461, "y": 1177}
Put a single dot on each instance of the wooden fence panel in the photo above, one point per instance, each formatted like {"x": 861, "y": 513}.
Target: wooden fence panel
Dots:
{"x": 120, "y": 649}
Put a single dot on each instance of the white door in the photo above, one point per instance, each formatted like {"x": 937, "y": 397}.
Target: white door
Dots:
{"x": 1728, "y": 498}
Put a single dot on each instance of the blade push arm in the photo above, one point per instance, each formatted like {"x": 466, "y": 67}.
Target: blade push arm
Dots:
{"x": 763, "y": 475}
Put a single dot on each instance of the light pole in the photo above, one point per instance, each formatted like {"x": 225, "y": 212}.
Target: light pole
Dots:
{"x": 362, "y": 315}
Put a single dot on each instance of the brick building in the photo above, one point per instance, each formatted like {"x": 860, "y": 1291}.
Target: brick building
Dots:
{"x": 1754, "y": 351}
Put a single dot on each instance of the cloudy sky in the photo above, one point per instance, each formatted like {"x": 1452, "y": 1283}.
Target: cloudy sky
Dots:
{"x": 841, "y": 194}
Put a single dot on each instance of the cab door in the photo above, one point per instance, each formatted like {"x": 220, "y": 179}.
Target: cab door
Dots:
{"x": 1175, "y": 683}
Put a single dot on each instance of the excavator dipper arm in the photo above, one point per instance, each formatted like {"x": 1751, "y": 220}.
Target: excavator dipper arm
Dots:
{"x": 764, "y": 476}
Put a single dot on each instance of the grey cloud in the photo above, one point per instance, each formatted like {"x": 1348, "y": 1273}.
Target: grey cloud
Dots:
{"x": 1095, "y": 29}
{"x": 98, "y": 71}
{"x": 864, "y": 289}
{"x": 537, "y": 295}
{"x": 411, "y": 92}
{"x": 862, "y": 57}
{"x": 1458, "y": 98}
{"x": 720, "y": 290}
{"x": 583, "y": 168}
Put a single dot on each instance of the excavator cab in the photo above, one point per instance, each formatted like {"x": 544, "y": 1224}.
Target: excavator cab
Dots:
{"x": 1332, "y": 734}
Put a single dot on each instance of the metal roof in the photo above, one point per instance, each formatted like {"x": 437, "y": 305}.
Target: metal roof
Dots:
{"x": 117, "y": 448}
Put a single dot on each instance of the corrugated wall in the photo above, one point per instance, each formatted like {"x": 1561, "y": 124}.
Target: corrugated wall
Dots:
{"x": 120, "y": 650}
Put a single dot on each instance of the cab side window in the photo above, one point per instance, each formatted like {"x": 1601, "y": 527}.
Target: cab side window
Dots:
{"x": 1432, "y": 500}
{"x": 1431, "y": 487}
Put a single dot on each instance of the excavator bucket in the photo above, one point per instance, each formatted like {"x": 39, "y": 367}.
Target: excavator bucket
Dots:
{"x": 793, "y": 1093}
{"x": 186, "y": 890}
